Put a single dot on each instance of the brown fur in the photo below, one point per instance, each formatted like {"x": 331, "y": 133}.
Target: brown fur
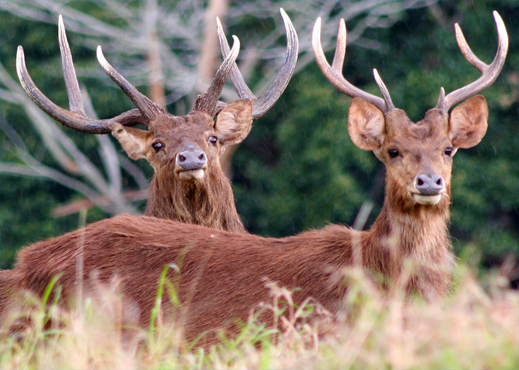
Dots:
{"x": 207, "y": 201}
{"x": 8, "y": 283}
{"x": 222, "y": 275}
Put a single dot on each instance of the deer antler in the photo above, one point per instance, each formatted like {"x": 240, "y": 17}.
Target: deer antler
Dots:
{"x": 208, "y": 102}
{"x": 334, "y": 72}
{"x": 146, "y": 106}
{"x": 76, "y": 117}
{"x": 146, "y": 111}
{"x": 489, "y": 72}
{"x": 262, "y": 104}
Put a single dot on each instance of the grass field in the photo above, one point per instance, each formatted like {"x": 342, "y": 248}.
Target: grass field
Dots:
{"x": 473, "y": 328}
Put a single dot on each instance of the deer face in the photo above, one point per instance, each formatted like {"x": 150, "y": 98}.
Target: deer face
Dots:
{"x": 418, "y": 156}
{"x": 189, "y": 146}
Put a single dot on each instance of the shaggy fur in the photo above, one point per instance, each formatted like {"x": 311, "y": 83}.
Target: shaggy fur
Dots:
{"x": 221, "y": 276}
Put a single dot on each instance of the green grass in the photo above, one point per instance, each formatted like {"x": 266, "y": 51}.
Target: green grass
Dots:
{"x": 473, "y": 328}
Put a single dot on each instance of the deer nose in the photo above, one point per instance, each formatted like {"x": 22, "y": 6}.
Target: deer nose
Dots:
{"x": 429, "y": 185}
{"x": 191, "y": 159}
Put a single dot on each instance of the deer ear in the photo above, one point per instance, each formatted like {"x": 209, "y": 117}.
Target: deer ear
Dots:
{"x": 133, "y": 140}
{"x": 234, "y": 122}
{"x": 468, "y": 122}
{"x": 366, "y": 125}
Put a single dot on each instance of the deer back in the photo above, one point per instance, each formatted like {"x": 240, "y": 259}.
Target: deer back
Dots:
{"x": 220, "y": 276}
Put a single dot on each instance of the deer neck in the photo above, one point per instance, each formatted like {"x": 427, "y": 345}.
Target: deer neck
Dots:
{"x": 419, "y": 236}
{"x": 417, "y": 233}
{"x": 195, "y": 202}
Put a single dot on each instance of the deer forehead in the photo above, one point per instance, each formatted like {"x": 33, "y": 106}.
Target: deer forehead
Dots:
{"x": 429, "y": 133}
{"x": 176, "y": 129}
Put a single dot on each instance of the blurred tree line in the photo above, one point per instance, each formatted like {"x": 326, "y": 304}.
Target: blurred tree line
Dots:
{"x": 312, "y": 174}
{"x": 298, "y": 168}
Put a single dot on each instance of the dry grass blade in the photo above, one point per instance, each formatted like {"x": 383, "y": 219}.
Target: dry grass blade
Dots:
{"x": 470, "y": 329}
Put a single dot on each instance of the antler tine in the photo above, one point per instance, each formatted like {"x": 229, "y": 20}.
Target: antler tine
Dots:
{"x": 146, "y": 106}
{"x": 340, "y": 48}
{"x": 67, "y": 118}
{"x": 208, "y": 102}
{"x": 69, "y": 73}
{"x": 489, "y": 72}
{"x": 262, "y": 104}
{"x": 441, "y": 98}
{"x": 237, "y": 80}
{"x": 385, "y": 92}
{"x": 271, "y": 96}
{"x": 76, "y": 117}
{"x": 334, "y": 72}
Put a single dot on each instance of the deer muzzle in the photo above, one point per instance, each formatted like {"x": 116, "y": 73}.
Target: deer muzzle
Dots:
{"x": 429, "y": 189}
{"x": 191, "y": 164}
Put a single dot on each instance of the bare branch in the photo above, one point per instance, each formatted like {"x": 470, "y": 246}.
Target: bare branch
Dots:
{"x": 177, "y": 55}
{"x": 134, "y": 171}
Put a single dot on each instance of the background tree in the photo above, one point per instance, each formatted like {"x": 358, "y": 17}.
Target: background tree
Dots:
{"x": 298, "y": 168}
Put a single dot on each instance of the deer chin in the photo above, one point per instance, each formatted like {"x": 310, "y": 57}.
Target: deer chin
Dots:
{"x": 191, "y": 174}
{"x": 427, "y": 199}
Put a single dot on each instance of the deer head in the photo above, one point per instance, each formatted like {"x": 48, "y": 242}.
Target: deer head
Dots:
{"x": 184, "y": 145}
{"x": 184, "y": 151}
{"x": 418, "y": 156}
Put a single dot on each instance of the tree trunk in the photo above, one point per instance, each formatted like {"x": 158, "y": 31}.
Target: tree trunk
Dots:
{"x": 209, "y": 57}
{"x": 210, "y": 49}
{"x": 155, "y": 77}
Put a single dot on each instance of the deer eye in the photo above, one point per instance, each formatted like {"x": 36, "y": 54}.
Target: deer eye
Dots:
{"x": 448, "y": 151}
{"x": 213, "y": 139}
{"x": 157, "y": 145}
{"x": 392, "y": 153}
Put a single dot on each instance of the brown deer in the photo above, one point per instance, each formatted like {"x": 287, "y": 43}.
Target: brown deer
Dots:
{"x": 221, "y": 275}
{"x": 189, "y": 184}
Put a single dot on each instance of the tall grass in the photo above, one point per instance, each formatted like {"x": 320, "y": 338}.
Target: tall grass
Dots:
{"x": 472, "y": 328}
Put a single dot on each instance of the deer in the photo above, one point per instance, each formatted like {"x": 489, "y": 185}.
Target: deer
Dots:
{"x": 188, "y": 184}
{"x": 221, "y": 276}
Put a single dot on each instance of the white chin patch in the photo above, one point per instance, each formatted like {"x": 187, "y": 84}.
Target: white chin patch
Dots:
{"x": 427, "y": 199}
{"x": 191, "y": 175}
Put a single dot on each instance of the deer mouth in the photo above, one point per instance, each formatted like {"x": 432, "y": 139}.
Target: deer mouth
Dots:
{"x": 427, "y": 199}
{"x": 188, "y": 175}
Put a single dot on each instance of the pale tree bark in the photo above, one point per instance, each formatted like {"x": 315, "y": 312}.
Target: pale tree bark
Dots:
{"x": 155, "y": 75}
{"x": 209, "y": 56}
{"x": 210, "y": 48}
{"x": 156, "y": 87}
